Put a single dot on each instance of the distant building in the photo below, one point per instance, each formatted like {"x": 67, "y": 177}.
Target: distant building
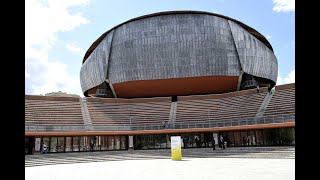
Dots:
{"x": 59, "y": 93}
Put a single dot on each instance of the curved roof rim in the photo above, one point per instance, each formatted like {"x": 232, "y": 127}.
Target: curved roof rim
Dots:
{"x": 252, "y": 31}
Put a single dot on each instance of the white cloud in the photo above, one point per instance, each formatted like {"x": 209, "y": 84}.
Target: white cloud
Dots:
{"x": 283, "y": 5}
{"x": 73, "y": 48}
{"x": 289, "y": 78}
{"x": 55, "y": 78}
{"x": 43, "y": 20}
{"x": 268, "y": 36}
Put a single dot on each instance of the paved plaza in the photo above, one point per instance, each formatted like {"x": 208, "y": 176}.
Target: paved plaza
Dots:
{"x": 232, "y": 163}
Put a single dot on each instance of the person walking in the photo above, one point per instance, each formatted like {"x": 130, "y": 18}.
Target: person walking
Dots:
{"x": 213, "y": 144}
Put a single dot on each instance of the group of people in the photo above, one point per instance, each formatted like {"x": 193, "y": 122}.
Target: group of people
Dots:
{"x": 222, "y": 142}
{"x": 202, "y": 143}
{"x": 167, "y": 125}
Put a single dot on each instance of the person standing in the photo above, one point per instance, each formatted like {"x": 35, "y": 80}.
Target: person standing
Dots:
{"x": 44, "y": 148}
{"x": 222, "y": 142}
{"x": 213, "y": 144}
{"x": 91, "y": 145}
{"x": 184, "y": 140}
{"x": 197, "y": 142}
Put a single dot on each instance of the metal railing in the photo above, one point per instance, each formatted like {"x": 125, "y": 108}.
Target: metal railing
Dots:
{"x": 139, "y": 127}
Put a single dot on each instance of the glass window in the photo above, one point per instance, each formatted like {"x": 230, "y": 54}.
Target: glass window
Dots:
{"x": 144, "y": 143}
{"x": 230, "y": 138}
{"x": 252, "y": 138}
{"x": 104, "y": 142}
{"x": 168, "y": 138}
{"x": 68, "y": 144}
{"x": 95, "y": 140}
{"x": 75, "y": 143}
{"x": 157, "y": 141}
{"x": 259, "y": 138}
{"x": 290, "y": 138}
{"x": 46, "y": 142}
{"x": 163, "y": 141}
{"x": 238, "y": 139}
{"x": 268, "y": 135}
{"x": 137, "y": 141}
{"x": 150, "y": 141}
{"x": 196, "y": 140}
{"x": 123, "y": 142}
{"x": 60, "y": 146}
{"x": 189, "y": 140}
{"x": 111, "y": 143}
{"x": 53, "y": 144}
{"x": 98, "y": 143}
{"x": 244, "y": 138}
{"x": 84, "y": 145}
{"x": 117, "y": 139}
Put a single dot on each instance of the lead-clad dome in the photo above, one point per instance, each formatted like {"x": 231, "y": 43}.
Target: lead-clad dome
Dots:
{"x": 177, "y": 53}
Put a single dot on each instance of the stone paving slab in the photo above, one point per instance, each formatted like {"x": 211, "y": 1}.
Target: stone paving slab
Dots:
{"x": 167, "y": 169}
{"x": 101, "y": 156}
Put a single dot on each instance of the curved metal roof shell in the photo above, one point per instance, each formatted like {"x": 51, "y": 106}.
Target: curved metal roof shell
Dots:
{"x": 177, "y": 44}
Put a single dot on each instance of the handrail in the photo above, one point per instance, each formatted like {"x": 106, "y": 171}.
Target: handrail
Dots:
{"x": 138, "y": 127}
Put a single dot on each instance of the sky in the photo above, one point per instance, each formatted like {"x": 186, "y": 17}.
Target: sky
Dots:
{"x": 59, "y": 32}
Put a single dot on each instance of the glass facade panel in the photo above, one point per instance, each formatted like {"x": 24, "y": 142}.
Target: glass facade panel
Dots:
{"x": 269, "y": 136}
{"x": 75, "y": 143}
{"x": 290, "y": 139}
{"x": 237, "y": 138}
{"x": 95, "y": 140}
{"x": 84, "y": 145}
{"x": 117, "y": 139}
{"x": 151, "y": 141}
{"x": 156, "y": 139}
{"x": 124, "y": 142}
{"x": 60, "y": 146}
{"x": 196, "y": 140}
{"x": 189, "y": 140}
{"x": 244, "y": 138}
{"x": 252, "y": 138}
{"x": 207, "y": 139}
{"x": 168, "y": 139}
{"x": 163, "y": 141}
{"x": 230, "y": 139}
{"x": 68, "y": 144}
{"x": 259, "y": 137}
{"x": 53, "y": 144}
{"x": 111, "y": 143}
{"x": 144, "y": 144}
{"x": 104, "y": 142}
{"x": 46, "y": 141}
{"x": 137, "y": 141}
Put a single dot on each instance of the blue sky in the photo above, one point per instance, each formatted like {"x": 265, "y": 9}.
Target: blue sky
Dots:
{"x": 58, "y": 33}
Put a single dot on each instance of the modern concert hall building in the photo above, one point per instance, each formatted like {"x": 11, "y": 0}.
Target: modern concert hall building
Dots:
{"x": 195, "y": 74}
